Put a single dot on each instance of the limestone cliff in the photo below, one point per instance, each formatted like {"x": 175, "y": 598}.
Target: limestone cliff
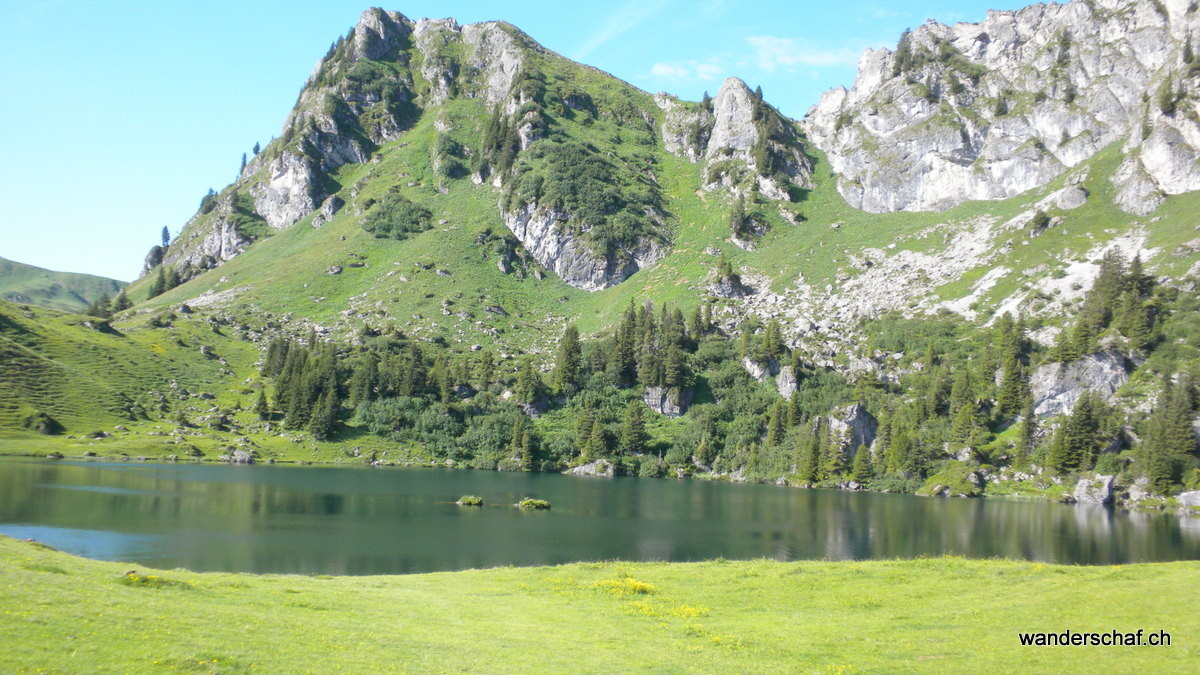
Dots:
{"x": 989, "y": 110}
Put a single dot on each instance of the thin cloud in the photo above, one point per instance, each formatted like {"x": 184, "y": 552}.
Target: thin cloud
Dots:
{"x": 772, "y": 52}
{"x": 626, "y": 18}
{"x": 702, "y": 71}
{"x": 671, "y": 71}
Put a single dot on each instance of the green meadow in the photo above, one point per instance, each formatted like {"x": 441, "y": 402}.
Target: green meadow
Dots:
{"x": 67, "y": 614}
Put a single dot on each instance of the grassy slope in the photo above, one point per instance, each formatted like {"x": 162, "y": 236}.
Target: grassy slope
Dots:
{"x": 939, "y": 615}
{"x": 65, "y": 291}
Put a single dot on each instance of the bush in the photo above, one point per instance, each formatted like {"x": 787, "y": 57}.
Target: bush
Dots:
{"x": 469, "y": 500}
{"x": 530, "y": 504}
{"x": 396, "y": 217}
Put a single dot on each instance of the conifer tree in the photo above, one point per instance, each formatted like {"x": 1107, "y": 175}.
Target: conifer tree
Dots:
{"x": 569, "y": 362}
{"x": 323, "y": 417}
{"x": 776, "y": 424}
{"x": 529, "y": 384}
{"x": 860, "y": 469}
{"x": 122, "y": 302}
{"x": 597, "y": 445}
{"x": 159, "y": 285}
{"x": 633, "y": 430}
{"x": 261, "y": 408}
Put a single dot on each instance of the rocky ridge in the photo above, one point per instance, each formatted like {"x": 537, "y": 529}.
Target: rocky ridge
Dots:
{"x": 990, "y": 110}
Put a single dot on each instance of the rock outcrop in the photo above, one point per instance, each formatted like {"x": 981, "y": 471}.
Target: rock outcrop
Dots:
{"x": 760, "y": 370}
{"x": 989, "y": 110}
{"x": 601, "y": 468}
{"x": 786, "y": 382}
{"x": 549, "y": 236}
{"x": 853, "y": 426}
{"x": 1096, "y": 491}
{"x": 744, "y": 143}
{"x": 1057, "y": 386}
{"x": 670, "y": 401}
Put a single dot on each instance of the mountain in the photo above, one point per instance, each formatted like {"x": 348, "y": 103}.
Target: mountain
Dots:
{"x": 991, "y": 110}
{"x": 64, "y": 291}
{"x": 979, "y": 263}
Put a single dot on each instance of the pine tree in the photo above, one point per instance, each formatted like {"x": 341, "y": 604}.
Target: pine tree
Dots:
{"x": 159, "y": 285}
{"x": 528, "y": 387}
{"x": 364, "y": 380}
{"x": 101, "y": 308}
{"x": 122, "y": 302}
{"x": 323, "y": 417}
{"x": 1029, "y": 427}
{"x": 633, "y": 430}
{"x": 166, "y": 237}
{"x": 242, "y": 168}
{"x": 776, "y": 424}
{"x": 860, "y": 469}
{"x": 257, "y": 149}
{"x": 569, "y": 362}
{"x": 527, "y": 457}
{"x": 261, "y": 408}
{"x": 597, "y": 445}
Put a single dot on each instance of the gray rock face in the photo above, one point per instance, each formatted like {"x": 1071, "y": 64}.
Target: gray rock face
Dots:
{"x": 668, "y": 401}
{"x": 989, "y": 110}
{"x": 853, "y": 426}
{"x": 328, "y": 208}
{"x": 761, "y": 371}
{"x": 291, "y": 192}
{"x": 1097, "y": 490}
{"x": 1191, "y": 499}
{"x": 1056, "y": 387}
{"x": 200, "y": 249}
{"x": 379, "y": 32}
{"x": 547, "y": 235}
{"x": 785, "y": 382}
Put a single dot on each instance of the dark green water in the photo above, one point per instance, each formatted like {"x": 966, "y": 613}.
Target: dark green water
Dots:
{"x": 376, "y": 521}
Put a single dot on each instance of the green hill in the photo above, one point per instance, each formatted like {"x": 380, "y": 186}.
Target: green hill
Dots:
{"x": 65, "y": 291}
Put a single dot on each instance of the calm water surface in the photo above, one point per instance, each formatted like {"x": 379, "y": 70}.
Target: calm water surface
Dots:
{"x": 376, "y": 521}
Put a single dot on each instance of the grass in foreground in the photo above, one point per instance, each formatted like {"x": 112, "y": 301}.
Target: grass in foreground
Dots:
{"x": 63, "y": 613}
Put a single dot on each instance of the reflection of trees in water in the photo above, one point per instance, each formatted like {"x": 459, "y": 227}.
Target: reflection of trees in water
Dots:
{"x": 328, "y": 520}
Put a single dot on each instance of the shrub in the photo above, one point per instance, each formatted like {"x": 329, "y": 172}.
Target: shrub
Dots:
{"x": 530, "y": 504}
{"x": 396, "y": 217}
{"x": 469, "y": 500}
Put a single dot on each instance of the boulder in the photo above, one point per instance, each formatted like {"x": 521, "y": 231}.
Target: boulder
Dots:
{"x": 1057, "y": 386}
{"x": 601, "y": 468}
{"x": 1097, "y": 490}
{"x": 1191, "y": 499}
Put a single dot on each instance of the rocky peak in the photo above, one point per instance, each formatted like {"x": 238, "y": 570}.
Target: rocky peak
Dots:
{"x": 989, "y": 110}
{"x": 737, "y": 129}
{"x": 379, "y": 33}
{"x": 733, "y": 130}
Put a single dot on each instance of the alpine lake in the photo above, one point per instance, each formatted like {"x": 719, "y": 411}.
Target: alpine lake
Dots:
{"x": 360, "y": 520}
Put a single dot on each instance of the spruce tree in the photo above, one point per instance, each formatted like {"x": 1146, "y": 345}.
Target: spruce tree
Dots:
{"x": 261, "y": 408}
{"x": 159, "y": 285}
{"x": 633, "y": 430}
{"x": 569, "y": 362}
{"x": 323, "y": 417}
{"x": 122, "y": 302}
{"x": 860, "y": 469}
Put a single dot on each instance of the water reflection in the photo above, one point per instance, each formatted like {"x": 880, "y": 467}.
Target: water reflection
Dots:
{"x": 363, "y": 521}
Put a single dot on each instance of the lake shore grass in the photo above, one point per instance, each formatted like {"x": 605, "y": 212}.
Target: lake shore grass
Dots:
{"x": 68, "y": 614}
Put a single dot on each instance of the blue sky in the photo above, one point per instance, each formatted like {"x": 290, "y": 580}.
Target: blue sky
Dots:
{"x": 117, "y": 117}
